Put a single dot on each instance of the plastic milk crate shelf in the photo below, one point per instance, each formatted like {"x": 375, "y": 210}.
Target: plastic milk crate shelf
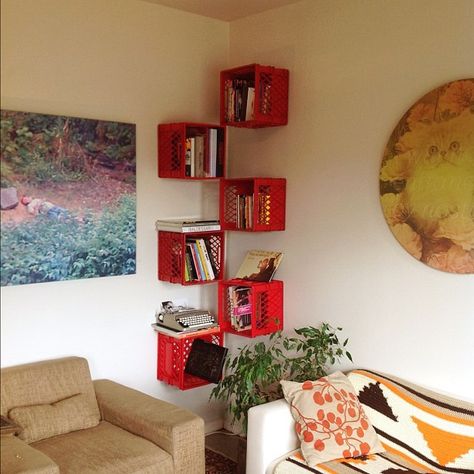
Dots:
{"x": 191, "y": 150}
{"x": 177, "y": 264}
{"x": 252, "y": 204}
{"x": 250, "y": 309}
{"x": 254, "y": 96}
{"x": 173, "y": 353}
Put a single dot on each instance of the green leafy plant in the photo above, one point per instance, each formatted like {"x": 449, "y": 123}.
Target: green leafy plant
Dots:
{"x": 253, "y": 375}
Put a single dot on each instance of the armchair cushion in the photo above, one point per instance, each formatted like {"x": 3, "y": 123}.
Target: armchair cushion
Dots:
{"x": 176, "y": 430}
{"x": 46, "y": 420}
{"x": 105, "y": 449}
{"x": 19, "y": 457}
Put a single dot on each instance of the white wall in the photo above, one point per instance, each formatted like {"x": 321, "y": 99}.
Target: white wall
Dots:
{"x": 355, "y": 67}
{"x": 123, "y": 60}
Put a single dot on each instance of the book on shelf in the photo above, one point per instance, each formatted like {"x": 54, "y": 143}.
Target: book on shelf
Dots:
{"x": 239, "y": 98}
{"x": 212, "y": 168}
{"x": 259, "y": 265}
{"x": 244, "y": 206}
{"x": 187, "y": 225}
{"x": 249, "y": 114}
{"x": 199, "y": 261}
{"x": 240, "y": 307}
{"x": 199, "y": 157}
{"x": 189, "y": 156}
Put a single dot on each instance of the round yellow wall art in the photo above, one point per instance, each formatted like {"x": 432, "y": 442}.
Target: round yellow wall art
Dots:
{"x": 427, "y": 178}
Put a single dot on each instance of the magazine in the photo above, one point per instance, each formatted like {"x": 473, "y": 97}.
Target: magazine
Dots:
{"x": 259, "y": 265}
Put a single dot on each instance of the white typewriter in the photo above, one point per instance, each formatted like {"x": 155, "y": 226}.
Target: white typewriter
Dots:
{"x": 186, "y": 320}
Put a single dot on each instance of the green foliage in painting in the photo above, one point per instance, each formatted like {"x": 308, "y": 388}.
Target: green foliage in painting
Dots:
{"x": 46, "y": 249}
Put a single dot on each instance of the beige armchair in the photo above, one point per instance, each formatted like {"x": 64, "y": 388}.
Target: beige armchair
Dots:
{"x": 70, "y": 424}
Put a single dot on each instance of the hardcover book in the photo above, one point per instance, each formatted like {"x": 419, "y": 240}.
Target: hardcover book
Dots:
{"x": 259, "y": 265}
{"x": 206, "y": 360}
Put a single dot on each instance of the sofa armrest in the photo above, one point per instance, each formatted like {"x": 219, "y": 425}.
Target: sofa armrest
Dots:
{"x": 270, "y": 435}
{"x": 19, "y": 457}
{"x": 174, "y": 429}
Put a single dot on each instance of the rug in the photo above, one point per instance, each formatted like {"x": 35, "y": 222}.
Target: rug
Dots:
{"x": 218, "y": 464}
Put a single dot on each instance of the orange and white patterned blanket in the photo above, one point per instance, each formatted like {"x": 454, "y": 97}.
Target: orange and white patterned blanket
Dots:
{"x": 422, "y": 431}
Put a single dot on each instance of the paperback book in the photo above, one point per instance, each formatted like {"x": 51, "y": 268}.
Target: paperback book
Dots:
{"x": 259, "y": 265}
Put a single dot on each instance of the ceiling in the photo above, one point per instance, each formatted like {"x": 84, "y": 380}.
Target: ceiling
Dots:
{"x": 227, "y": 10}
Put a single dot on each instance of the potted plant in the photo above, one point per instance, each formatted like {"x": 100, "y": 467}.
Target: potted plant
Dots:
{"x": 253, "y": 375}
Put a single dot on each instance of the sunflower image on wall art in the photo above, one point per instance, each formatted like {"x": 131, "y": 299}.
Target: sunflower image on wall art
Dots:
{"x": 68, "y": 204}
{"x": 427, "y": 178}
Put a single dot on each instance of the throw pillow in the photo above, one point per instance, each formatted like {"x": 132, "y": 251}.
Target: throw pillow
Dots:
{"x": 44, "y": 421}
{"x": 330, "y": 421}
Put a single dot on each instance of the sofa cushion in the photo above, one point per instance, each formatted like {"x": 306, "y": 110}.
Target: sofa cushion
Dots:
{"x": 19, "y": 457}
{"x": 43, "y": 421}
{"x": 330, "y": 422}
{"x": 105, "y": 449}
{"x": 45, "y": 383}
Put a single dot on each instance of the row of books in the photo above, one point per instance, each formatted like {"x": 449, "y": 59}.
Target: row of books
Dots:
{"x": 240, "y": 307}
{"x": 201, "y": 156}
{"x": 244, "y": 205}
{"x": 239, "y": 95}
{"x": 199, "y": 261}
{"x": 245, "y": 210}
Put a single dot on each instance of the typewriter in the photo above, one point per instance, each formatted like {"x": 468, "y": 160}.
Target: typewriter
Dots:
{"x": 186, "y": 320}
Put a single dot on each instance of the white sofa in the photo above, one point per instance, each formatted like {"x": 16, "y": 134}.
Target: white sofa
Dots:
{"x": 421, "y": 431}
{"x": 271, "y": 434}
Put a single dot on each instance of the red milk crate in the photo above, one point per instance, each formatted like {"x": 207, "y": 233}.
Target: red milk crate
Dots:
{"x": 172, "y": 161}
{"x": 265, "y": 300}
{"x": 172, "y": 255}
{"x": 270, "y": 96}
{"x": 173, "y": 352}
{"x": 252, "y": 204}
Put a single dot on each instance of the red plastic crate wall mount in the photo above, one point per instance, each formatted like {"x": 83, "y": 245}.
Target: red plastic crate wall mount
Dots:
{"x": 268, "y": 203}
{"x": 266, "y": 300}
{"x": 172, "y": 149}
{"x": 171, "y": 255}
{"x": 271, "y": 95}
{"x": 172, "y": 356}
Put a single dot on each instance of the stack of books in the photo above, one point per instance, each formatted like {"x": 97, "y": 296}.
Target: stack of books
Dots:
{"x": 188, "y": 224}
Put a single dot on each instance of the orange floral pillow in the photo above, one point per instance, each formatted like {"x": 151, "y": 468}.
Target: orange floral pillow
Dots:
{"x": 330, "y": 421}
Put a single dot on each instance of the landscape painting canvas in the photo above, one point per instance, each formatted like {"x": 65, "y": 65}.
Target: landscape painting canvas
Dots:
{"x": 68, "y": 198}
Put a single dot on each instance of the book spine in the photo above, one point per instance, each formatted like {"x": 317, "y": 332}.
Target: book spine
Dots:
{"x": 195, "y": 257}
{"x": 193, "y": 157}
{"x": 207, "y": 260}
{"x": 187, "y": 166}
{"x": 200, "y": 259}
{"x": 211, "y": 257}
{"x": 190, "y": 264}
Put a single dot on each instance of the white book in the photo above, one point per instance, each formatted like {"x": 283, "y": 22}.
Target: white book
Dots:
{"x": 212, "y": 152}
{"x": 193, "y": 156}
{"x": 249, "y": 114}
